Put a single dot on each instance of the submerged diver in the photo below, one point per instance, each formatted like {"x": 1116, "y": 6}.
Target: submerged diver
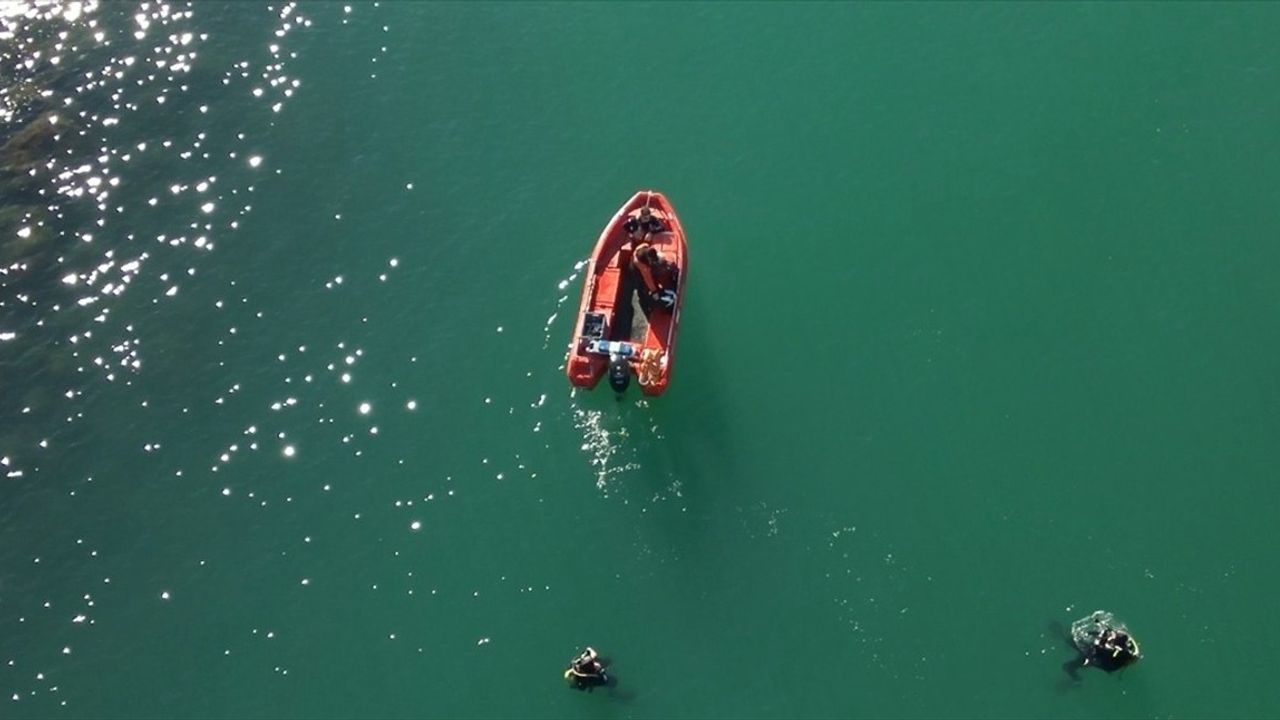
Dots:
{"x": 586, "y": 671}
{"x": 1102, "y": 643}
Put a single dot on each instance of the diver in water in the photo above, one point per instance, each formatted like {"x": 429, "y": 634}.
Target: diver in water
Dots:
{"x": 586, "y": 671}
{"x": 1113, "y": 650}
{"x": 1102, "y": 643}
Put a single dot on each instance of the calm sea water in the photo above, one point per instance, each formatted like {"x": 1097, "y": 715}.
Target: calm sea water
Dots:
{"x": 981, "y": 335}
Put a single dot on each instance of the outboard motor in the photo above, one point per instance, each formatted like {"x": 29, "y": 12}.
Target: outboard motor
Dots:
{"x": 619, "y": 373}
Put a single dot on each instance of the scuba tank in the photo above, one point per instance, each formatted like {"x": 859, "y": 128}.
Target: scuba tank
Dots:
{"x": 619, "y": 373}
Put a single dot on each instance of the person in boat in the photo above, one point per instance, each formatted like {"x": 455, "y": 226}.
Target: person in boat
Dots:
{"x": 661, "y": 277}
{"x": 1102, "y": 643}
{"x": 586, "y": 671}
{"x": 639, "y": 228}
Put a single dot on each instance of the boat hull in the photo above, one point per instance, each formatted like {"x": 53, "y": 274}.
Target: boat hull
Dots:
{"x": 615, "y": 317}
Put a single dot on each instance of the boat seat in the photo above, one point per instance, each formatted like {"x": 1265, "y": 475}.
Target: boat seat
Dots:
{"x": 607, "y": 287}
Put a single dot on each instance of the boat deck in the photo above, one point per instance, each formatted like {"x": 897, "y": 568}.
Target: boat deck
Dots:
{"x": 632, "y": 322}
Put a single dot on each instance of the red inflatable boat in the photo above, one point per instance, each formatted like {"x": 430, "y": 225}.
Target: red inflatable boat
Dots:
{"x": 631, "y": 298}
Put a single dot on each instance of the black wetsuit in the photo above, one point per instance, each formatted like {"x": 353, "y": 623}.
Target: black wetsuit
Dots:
{"x": 1109, "y": 652}
{"x": 592, "y": 674}
{"x": 634, "y": 225}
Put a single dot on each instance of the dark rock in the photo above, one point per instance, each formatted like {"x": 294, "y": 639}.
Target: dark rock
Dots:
{"x": 33, "y": 144}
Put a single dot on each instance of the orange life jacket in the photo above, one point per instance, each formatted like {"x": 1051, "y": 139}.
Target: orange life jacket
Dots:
{"x": 646, "y": 272}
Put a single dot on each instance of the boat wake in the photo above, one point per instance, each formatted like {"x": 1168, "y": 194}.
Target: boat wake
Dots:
{"x": 603, "y": 434}
{"x": 605, "y": 442}
{"x": 613, "y": 438}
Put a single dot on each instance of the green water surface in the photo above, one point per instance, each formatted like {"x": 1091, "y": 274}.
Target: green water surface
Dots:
{"x": 980, "y": 334}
